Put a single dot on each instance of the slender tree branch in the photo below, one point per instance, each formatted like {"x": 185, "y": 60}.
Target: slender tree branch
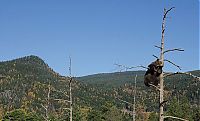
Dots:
{"x": 155, "y": 87}
{"x": 157, "y": 46}
{"x": 123, "y": 67}
{"x": 2, "y": 77}
{"x": 173, "y": 64}
{"x": 45, "y": 107}
{"x": 67, "y": 108}
{"x": 175, "y": 118}
{"x": 48, "y": 97}
{"x": 155, "y": 56}
{"x": 162, "y": 103}
{"x": 175, "y": 49}
{"x": 140, "y": 66}
{"x": 45, "y": 118}
{"x": 167, "y": 12}
{"x": 171, "y": 74}
{"x": 46, "y": 110}
{"x": 62, "y": 100}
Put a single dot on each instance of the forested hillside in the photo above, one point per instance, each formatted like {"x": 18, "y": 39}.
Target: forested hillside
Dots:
{"x": 26, "y": 83}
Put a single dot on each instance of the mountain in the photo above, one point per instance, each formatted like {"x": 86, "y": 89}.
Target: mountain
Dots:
{"x": 25, "y": 84}
{"x": 122, "y": 83}
{"x": 113, "y": 79}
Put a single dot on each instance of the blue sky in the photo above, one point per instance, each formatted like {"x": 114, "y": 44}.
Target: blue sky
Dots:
{"x": 99, "y": 33}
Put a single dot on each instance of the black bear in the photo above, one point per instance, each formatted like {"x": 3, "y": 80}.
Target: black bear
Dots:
{"x": 152, "y": 74}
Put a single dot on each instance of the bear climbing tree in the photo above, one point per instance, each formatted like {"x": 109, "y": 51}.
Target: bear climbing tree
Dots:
{"x": 153, "y": 73}
{"x": 159, "y": 76}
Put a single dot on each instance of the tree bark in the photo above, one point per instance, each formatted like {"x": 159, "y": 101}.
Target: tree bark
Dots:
{"x": 162, "y": 60}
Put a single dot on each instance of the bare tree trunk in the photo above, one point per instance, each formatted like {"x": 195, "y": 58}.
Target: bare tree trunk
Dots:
{"x": 134, "y": 113}
{"x": 161, "y": 75}
{"x": 70, "y": 90}
{"x": 70, "y": 96}
{"x": 162, "y": 60}
{"x": 48, "y": 101}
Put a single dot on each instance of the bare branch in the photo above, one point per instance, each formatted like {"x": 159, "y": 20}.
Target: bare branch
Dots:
{"x": 155, "y": 87}
{"x": 175, "y": 49}
{"x": 47, "y": 105}
{"x": 140, "y": 66}
{"x": 48, "y": 95}
{"x": 2, "y": 77}
{"x": 66, "y": 108}
{"x": 173, "y": 64}
{"x": 155, "y": 56}
{"x": 171, "y": 74}
{"x": 45, "y": 118}
{"x": 62, "y": 100}
{"x": 175, "y": 118}
{"x": 162, "y": 103}
{"x": 157, "y": 46}
{"x": 167, "y": 12}
{"x": 123, "y": 67}
{"x": 44, "y": 107}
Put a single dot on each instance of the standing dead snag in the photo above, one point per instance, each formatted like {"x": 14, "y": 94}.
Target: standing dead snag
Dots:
{"x": 134, "y": 100}
{"x": 162, "y": 51}
{"x": 70, "y": 88}
{"x": 161, "y": 76}
{"x": 69, "y": 100}
{"x": 134, "y": 112}
{"x": 46, "y": 107}
{"x": 154, "y": 74}
{"x": 162, "y": 60}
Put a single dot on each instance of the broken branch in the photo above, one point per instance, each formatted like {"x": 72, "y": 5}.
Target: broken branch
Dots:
{"x": 173, "y": 64}
{"x": 122, "y": 67}
{"x": 155, "y": 87}
{"x": 66, "y": 108}
{"x": 62, "y": 100}
{"x": 175, "y": 118}
{"x": 167, "y": 12}
{"x": 155, "y": 56}
{"x": 196, "y": 77}
{"x": 175, "y": 49}
{"x": 157, "y": 46}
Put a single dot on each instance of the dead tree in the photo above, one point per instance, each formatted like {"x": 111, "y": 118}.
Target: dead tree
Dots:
{"x": 134, "y": 100}
{"x": 69, "y": 101}
{"x": 160, "y": 88}
{"x": 70, "y": 88}
{"x": 46, "y": 106}
{"x": 162, "y": 52}
{"x": 134, "y": 113}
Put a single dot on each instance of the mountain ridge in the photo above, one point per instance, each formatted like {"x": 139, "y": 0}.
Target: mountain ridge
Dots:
{"x": 28, "y": 79}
